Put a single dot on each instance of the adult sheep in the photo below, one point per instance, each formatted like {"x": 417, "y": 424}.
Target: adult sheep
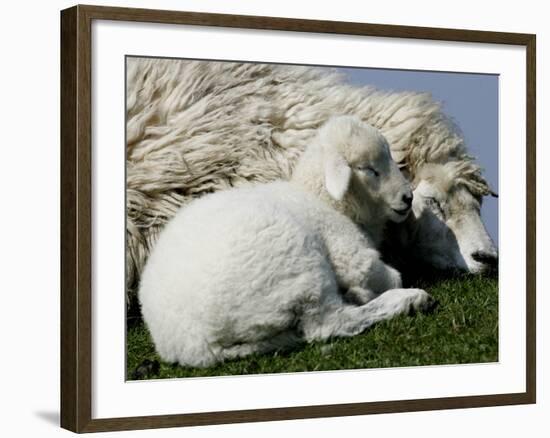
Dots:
{"x": 194, "y": 127}
{"x": 257, "y": 269}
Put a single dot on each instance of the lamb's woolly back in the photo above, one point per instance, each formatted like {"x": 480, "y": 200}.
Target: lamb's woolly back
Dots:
{"x": 196, "y": 127}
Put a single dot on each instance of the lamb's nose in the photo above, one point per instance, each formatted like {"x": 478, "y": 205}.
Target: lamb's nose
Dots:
{"x": 408, "y": 198}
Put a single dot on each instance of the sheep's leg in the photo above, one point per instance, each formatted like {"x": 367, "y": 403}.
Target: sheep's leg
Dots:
{"x": 339, "y": 319}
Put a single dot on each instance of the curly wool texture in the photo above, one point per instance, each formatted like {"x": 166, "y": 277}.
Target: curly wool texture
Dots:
{"x": 195, "y": 127}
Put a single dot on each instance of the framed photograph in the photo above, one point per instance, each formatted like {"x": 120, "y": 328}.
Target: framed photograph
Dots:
{"x": 268, "y": 218}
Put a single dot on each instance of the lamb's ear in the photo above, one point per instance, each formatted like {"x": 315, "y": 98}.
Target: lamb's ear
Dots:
{"x": 337, "y": 175}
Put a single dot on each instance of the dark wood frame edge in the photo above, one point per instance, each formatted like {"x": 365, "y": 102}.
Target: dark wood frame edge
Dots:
{"x": 76, "y": 240}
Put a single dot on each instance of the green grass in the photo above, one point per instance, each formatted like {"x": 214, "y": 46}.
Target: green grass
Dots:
{"x": 463, "y": 329}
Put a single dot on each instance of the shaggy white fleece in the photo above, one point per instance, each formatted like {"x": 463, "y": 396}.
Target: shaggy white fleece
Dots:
{"x": 254, "y": 269}
{"x": 196, "y": 127}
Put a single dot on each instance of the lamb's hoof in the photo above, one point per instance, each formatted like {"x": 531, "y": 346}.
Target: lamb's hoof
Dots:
{"x": 422, "y": 302}
{"x": 430, "y": 305}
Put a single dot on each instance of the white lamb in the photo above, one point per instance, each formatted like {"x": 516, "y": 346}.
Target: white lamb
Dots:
{"x": 261, "y": 268}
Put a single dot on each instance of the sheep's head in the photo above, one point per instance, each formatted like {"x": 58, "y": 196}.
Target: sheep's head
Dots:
{"x": 359, "y": 175}
{"x": 446, "y": 228}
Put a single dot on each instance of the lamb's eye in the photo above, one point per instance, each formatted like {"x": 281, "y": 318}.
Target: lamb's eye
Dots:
{"x": 368, "y": 170}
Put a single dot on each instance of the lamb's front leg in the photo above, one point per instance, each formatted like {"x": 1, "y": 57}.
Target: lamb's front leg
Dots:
{"x": 335, "y": 319}
{"x": 358, "y": 295}
{"x": 360, "y": 272}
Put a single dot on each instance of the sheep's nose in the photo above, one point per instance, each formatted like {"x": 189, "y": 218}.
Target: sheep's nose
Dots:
{"x": 408, "y": 198}
{"x": 487, "y": 258}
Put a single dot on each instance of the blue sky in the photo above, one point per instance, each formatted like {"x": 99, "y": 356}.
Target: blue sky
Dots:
{"x": 470, "y": 99}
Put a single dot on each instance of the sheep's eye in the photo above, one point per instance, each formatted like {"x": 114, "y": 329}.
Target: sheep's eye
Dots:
{"x": 432, "y": 201}
{"x": 434, "y": 204}
{"x": 368, "y": 170}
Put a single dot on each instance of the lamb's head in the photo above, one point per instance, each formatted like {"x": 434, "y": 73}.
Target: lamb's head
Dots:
{"x": 447, "y": 231}
{"x": 350, "y": 166}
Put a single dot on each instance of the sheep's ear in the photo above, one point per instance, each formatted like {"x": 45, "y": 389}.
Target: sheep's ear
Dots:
{"x": 337, "y": 175}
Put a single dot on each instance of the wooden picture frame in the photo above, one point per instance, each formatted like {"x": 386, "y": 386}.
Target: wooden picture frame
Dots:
{"x": 76, "y": 217}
